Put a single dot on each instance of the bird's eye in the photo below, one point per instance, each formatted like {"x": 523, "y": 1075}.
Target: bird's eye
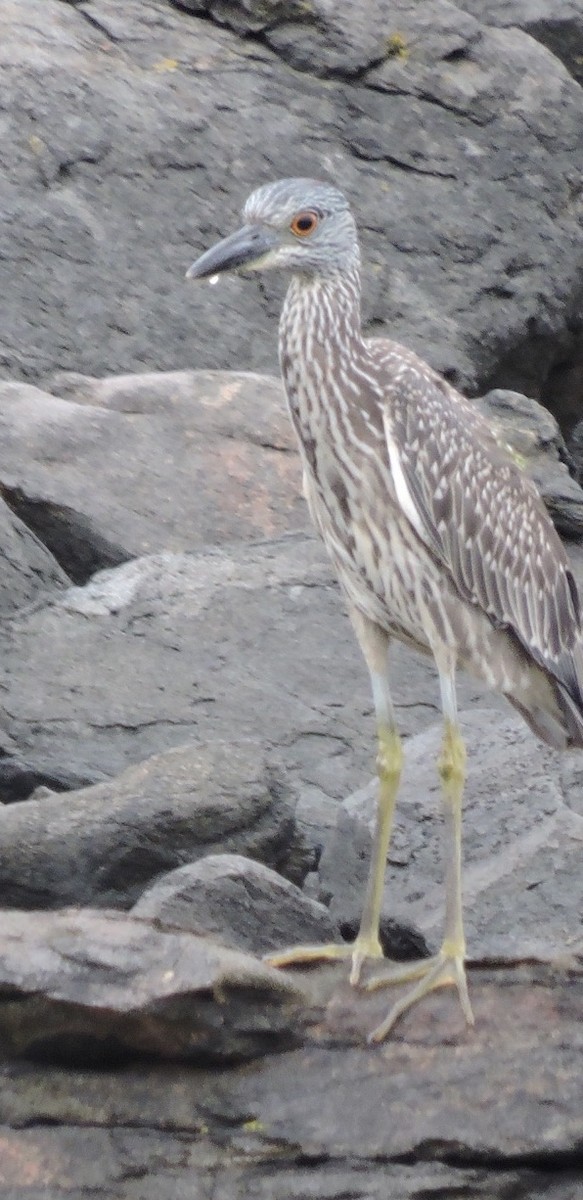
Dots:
{"x": 304, "y": 223}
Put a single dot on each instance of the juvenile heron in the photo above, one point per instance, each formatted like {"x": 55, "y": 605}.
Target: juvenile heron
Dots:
{"x": 437, "y": 537}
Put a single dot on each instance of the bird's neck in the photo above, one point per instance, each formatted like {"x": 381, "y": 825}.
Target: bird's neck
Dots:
{"x": 319, "y": 335}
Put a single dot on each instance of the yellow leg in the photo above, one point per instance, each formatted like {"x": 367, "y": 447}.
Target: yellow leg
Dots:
{"x": 389, "y": 765}
{"x": 446, "y": 967}
{"x": 367, "y": 943}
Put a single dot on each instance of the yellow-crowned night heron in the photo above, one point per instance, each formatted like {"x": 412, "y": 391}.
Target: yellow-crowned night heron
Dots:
{"x": 437, "y": 537}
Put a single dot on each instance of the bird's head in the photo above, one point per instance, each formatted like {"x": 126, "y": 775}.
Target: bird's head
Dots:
{"x": 298, "y": 225}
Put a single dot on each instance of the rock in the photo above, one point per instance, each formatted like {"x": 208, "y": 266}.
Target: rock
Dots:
{"x": 104, "y": 844}
{"x": 192, "y": 458}
{"x": 460, "y": 166}
{"x": 559, "y": 28}
{"x": 576, "y": 448}
{"x": 132, "y": 465}
{"x": 98, "y": 987}
{"x": 534, "y": 437}
{"x": 19, "y": 779}
{"x": 522, "y": 839}
{"x": 249, "y": 642}
{"x": 29, "y": 571}
{"x": 435, "y": 1110}
{"x": 238, "y": 902}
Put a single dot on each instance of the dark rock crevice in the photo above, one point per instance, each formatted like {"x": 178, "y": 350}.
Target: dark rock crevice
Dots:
{"x": 68, "y": 534}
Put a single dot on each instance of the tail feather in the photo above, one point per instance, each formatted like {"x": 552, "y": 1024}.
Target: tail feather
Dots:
{"x": 570, "y": 698}
{"x": 554, "y": 711}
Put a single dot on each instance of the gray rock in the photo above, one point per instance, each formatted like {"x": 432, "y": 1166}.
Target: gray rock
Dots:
{"x": 239, "y": 903}
{"x": 98, "y": 987}
{"x": 223, "y": 644}
{"x": 437, "y": 1110}
{"x": 104, "y": 844}
{"x": 28, "y": 569}
{"x": 461, "y": 167}
{"x": 522, "y": 834}
{"x": 559, "y": 26}
{"x": 576, "y": 449}
{"x": 128, "y": 466}
{"x": 535, "y": 439}
{"x": 192, "y": 458}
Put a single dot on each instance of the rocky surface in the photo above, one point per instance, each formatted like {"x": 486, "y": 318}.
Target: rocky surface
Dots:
{"x": 239, "y": 902}
{"x": 176, "y": 669}
{"x": 427, "y": 1115}
{"x": 110, "y": 469}
{"x": 170, "y": 645}
{"x": 132, "y": 135}
{"x": 104, "y": 844}
{"x": 218, "y": 699}
{"x": 29, "y": 570}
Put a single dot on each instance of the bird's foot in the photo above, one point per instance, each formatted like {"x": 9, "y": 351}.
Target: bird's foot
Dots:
{"x": 365, "y": 946}
{"x": 443, "y": 969}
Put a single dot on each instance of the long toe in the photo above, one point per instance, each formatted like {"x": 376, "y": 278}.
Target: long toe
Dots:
{"x": 297, "y": 955}
{"x": 357, "y": 952}
{"x": 440, "y": 971}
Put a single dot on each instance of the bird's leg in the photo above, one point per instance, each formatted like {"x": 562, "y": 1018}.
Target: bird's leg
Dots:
{"x": 446, "y": 967}
{"x": 374, "y": 643}
{"x": 389, "y": 764}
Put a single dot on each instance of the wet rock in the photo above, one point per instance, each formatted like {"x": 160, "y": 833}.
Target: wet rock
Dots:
{"x": 98, "y": 987}
{"x": 104, "y": 844}
{"x": 239, "y": 903}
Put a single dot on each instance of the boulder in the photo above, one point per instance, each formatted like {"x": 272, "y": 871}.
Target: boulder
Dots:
{"x": 98, "y": 987}
{"x": 225, "y": 644}
{"x": 559, "y": 28}
{"x": 127, "y": 466}
{"x": 137, "y": 131}
{"x": 218, "y": 1075}
{"x": 238, "y": 902}
{"x": 111, "y": 469}
{"x": 104, "y": 844}
{"x": 534, "y": 438}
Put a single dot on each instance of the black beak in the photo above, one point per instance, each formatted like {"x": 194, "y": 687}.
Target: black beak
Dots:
{"x": 242, "y": 249}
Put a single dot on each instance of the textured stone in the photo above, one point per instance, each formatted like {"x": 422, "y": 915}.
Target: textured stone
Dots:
{"x": 128, "y": 466}
{"x": 238, "y": 902}
{"x": 29, "y": 570}
{"x": 104, "y": 844}
{"x": 438, "y": 1110}
{"x": 462, "y": 168}
{"x": 249, "y": 641}
{"x": 533, "y": 435}
{"x": 96, "y": 987}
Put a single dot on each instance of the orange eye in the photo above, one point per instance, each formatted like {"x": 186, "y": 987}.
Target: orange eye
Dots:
{"x": 304, "y": 223}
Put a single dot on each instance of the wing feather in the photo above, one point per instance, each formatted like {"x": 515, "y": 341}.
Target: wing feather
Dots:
{"x": 480, "y": 516}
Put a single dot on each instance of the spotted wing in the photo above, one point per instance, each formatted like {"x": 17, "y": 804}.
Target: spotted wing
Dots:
{"x": 483, "y": 520}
